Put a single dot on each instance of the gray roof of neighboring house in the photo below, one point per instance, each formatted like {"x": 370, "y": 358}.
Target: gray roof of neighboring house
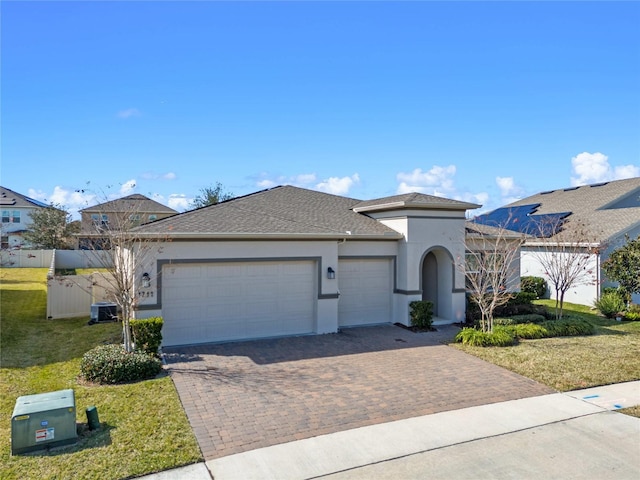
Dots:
{"x": 473, "y": 229}
{"x": 131, "y": 203}
{"x": 607, "y": 209}
{"x": 283, "y": 210}
{"x": 9, "y": 198}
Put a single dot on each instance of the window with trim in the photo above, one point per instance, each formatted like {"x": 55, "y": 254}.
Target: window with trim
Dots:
{"x": 152, "y": 217}
{"x": 97, "y": 219}
{"x": 9, "y": 216}
{"x": 483, "y": 263}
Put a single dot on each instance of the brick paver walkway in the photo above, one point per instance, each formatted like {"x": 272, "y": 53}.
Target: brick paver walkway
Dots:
{"x": 247, "y": 395}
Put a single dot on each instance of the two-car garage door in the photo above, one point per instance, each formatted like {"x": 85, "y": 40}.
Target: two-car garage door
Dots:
{"x": 208, "y": 302}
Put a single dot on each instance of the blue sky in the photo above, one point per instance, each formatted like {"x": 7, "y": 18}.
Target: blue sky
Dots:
{"x": 480, "y": 101}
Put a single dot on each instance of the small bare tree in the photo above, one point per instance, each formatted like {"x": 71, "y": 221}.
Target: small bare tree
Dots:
{"x": 491, "y": 268}
{"x": 565, "y": 249}
{"x": 121, "y": 252}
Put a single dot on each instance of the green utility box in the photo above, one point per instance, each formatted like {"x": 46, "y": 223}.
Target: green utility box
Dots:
{"x": 43, "y": 420}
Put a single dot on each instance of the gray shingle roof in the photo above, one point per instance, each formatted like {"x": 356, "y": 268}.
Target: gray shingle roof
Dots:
{"x": 10, "y": 198}
{"x": 413, "y": 200}
{"x": 607, "y": 209}
{"x": 131, "y": 203}
{"x": 288, "y": 210}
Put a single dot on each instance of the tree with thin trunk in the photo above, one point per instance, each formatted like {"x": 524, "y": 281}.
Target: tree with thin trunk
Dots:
{"x": 121, "y": 252}
{"x": 491, "y": 268}
{"x": 211, "y": 195}
{"x": 566, "y": 250}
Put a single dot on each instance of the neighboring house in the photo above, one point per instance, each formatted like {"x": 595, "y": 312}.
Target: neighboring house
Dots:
{"x": 290, "y": 261}
{"x": 132, "y": 210}
{"x": 487, "y": 240}
{"x": 16, "y": 209}
{"x": 605, "y": 212}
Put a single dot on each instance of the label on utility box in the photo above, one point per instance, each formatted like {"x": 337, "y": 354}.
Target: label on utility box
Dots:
{"x": 44, "y": 434}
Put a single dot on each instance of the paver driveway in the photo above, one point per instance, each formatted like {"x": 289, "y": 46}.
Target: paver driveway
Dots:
{"x": 246, "y": 395}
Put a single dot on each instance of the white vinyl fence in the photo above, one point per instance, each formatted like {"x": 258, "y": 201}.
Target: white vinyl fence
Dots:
{"x": 26, "y": 258}
{"x": 72, "y": 295}
{"x": 22, "y": 258}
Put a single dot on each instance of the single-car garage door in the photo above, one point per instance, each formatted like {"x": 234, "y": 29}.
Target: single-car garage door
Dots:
{"x": 365, "y": 291}
{"x": 213, "y": 302}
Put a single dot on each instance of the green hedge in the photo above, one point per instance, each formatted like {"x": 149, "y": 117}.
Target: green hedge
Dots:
{"x": 112, "y": 364}
{"x": 500, "y": 337}
{"x": 527, "y": 330}
{"x": 147, "y": 334}
{"x": 568, "y": 327}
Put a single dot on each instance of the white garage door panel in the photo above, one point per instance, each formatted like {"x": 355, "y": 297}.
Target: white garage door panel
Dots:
{"x": 365, "y": 292}
{"x": 231, "y": 301}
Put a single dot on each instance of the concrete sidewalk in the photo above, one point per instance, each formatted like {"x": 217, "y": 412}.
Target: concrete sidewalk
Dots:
{"x": 562, "y": 435}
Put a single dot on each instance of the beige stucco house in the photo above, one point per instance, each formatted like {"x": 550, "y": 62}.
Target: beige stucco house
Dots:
{"x": 290, "y": 261}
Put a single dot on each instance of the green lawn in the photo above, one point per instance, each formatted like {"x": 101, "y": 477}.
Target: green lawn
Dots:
{"x": 144, "y": 428}
{"x": 570, "y": 363}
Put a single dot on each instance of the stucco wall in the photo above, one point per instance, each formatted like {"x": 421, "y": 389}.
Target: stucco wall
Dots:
{"x": 583, "y": 294}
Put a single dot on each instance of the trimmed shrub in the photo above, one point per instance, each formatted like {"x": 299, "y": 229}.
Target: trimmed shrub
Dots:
{"x": 529, "y": 318}
{"x": 504, "y": 321}
{"x": 421, "y": 314}
{"x": 527, "y": 330}
{"x": 500, "y": 337}
{"x": 147, "y": 334}
{"x": 610, "y": 304}
{"x": 535, "y": 285}
{"x": 568, "y": 327}
{"x": 113, "y": 364}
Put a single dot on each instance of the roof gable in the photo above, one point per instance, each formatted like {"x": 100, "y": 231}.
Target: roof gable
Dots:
{"x": 131, "y": 203}
{"x": 10, "y": 198}
{"x": 413, "y": 201}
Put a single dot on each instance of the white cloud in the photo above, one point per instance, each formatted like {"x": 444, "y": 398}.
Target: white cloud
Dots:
{"x": 626, "y": 171}
{"x": 128, "y": 187}
{"x": 179, "y": 201}
{"x": 304, "y": 180}
{"x": 338, "y": 185}
{"x": 506, "y": 185}
{"x": 590, "y": 168}
{"x": 266, "y": 183}
{"x": 437, "y": 181}
{"x": 71, "y": 200}
{"x": 594, "y": 168}
{"x": 128, "y": 113}
{"x": 159, "y": 176}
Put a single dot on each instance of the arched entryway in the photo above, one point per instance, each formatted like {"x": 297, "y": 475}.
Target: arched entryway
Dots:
{"x": 437, "y": 281}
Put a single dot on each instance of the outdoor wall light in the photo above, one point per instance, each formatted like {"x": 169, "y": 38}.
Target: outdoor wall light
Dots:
{"x": 331, "y": 273}
{"x": 146, "y": 280}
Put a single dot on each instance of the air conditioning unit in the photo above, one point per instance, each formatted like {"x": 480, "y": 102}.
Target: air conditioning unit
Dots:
{"x": 103, "y": 312}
